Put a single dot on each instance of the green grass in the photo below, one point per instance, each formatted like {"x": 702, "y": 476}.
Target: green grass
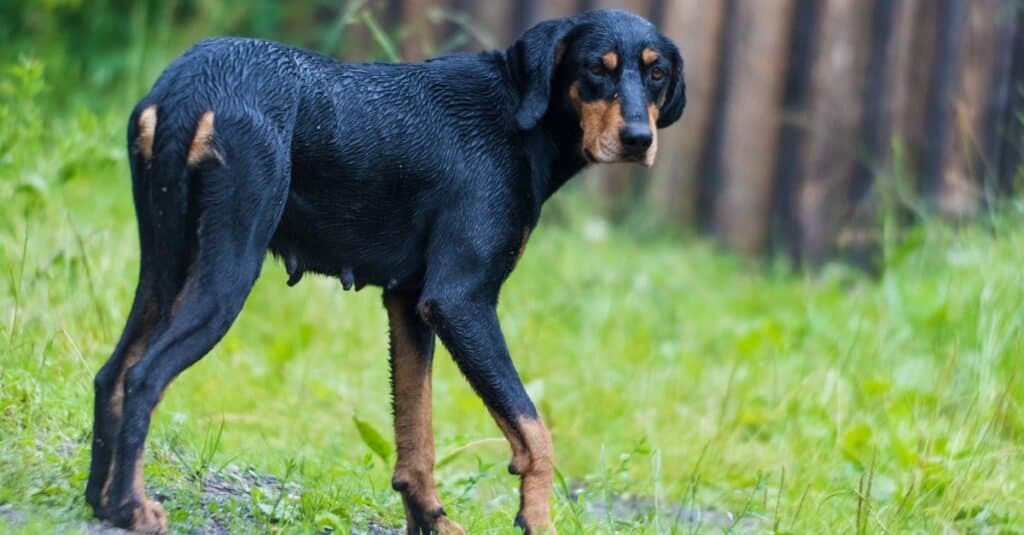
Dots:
{"x": 666, "y": 370}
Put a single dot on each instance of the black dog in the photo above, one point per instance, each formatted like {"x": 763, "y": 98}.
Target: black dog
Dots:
{"x": 423, "y": 179}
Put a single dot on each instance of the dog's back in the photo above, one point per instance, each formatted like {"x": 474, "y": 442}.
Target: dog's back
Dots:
{"x": 371, "y": 151}
{"x": 425, "y": 179}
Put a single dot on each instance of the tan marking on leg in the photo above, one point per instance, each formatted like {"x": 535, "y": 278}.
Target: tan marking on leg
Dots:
{"x": 150, "y": 516}
{"x": 535, "y": 488}
{"x": 414, "y": 436}
{"x": 116, "y": 403}
{"x": 652, "y": 120}
{"x": 147, "y": 132}
{"x": 131, "y": 357}
{"x": 202, "y": 143}
{"x": 520, "y": 462}
{"x": 533, "y": 460}
{"x": 601, "y": 122}
{"x": 610, "y": 60}
{"x": 649, "y": 56}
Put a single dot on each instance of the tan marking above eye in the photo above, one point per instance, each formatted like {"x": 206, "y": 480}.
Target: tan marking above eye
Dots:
{"x": 649, "y": 56}
{"x": 610, "y": 60}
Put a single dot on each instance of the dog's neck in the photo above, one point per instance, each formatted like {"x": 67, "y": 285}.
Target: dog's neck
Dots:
{"x": 558, "y": 141}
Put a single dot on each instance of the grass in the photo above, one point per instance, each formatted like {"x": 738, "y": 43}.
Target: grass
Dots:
{"x": 666, "y": 369}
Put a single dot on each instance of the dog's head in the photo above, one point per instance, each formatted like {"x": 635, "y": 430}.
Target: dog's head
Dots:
{"x": 612, "y": 70}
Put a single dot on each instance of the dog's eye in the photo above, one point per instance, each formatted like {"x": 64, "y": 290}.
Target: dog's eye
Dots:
{"x": 596, "y": 69}
{"x": 657, "y": 73}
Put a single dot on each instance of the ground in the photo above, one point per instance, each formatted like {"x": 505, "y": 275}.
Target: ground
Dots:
{"x": 686, "y": 390}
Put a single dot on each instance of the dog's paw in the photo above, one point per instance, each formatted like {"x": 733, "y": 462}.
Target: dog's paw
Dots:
{"x": 446, "y": 526}
{"x": 150, "y": 517}
{"x": 96, "y": 504}
{"x": 540, "y": 524}
{"x": 144, "y": 516}
{"x": 437, "y": 522}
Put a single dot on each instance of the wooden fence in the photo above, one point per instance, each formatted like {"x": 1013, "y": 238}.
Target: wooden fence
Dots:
{"x": 802, "y": 114}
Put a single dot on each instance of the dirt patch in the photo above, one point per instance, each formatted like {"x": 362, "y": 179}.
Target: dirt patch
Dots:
{"x": 625, "y": 509}
{"x": 235, "y": 499}
{"x": 12, "y": 516}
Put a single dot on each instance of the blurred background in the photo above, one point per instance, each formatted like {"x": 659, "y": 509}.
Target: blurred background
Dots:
{"x": 688, "y": 367}
{"x": 810, "y": 122}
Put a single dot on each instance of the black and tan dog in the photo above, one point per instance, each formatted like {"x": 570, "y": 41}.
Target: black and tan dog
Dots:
{"x": 423, "y": 179}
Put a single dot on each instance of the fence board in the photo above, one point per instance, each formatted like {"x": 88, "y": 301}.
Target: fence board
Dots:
{"x": 696, "y": 27}
{"x": 832, "y": 143}
{"x": 357, "y": 41}
{"x": 550, "y": 9}
{"x": 788, "y": 168}
{"x": 912, "y": 59}
{"x": 420, "y": 34}
{"x": 494, "y": 21}
{"x": 1012, "y": 146}
{"x": 959, "y": 192}
{"x": 1001, "y": 102}
{"x": 751, "y": 122}
{"x": 795, "y": 106}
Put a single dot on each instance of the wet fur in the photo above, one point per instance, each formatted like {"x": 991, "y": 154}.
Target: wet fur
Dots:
{"x": 422, "y": 179}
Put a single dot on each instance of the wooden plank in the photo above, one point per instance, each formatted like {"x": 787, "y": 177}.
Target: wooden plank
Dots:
{"x": 959, "y": 191}
{"x": 751, "y": 125}
{"x": 422, "y": 34}
{"x": 941, "y": 87}
{"x": 1001, "y": 110}
{"x": 640, "y": 7}
{"x": 696, "y": 27}
{"x": 859, "y": 238}
{"x": 358, "y": 43}
{"x": 493, "y": 21}
{"x": 788, "y": 169}
{"x": 555, "y": 8}
{"x": 1011, "y": 151}
{"x": 833, "y": 139}
{"x": 912, "y": 60}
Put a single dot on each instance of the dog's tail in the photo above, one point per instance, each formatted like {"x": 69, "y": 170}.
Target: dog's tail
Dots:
{"x": 166, "y": 184}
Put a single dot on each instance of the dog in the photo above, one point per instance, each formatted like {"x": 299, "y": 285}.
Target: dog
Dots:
{"x": 422, "y": 179}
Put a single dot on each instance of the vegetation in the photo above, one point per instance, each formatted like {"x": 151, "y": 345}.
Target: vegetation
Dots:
{"x": 686, "y": 390}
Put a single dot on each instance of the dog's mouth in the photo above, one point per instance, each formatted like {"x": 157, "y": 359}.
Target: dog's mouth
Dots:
{"x": 605, "y": 149}
{"x": 642, "y": 158}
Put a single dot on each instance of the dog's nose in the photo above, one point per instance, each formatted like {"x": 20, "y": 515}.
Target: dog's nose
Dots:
{"x": 636, "y": 138}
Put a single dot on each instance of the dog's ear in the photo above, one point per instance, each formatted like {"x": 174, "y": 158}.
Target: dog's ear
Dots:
{"x": 532, "y": 61}
{"x": 675, "y": 96}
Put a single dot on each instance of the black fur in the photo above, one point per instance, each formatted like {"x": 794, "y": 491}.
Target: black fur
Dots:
{"x": 417, "y": 178}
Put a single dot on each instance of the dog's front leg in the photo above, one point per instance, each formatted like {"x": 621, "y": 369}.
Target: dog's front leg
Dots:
{"x": 473, "y": 335}
{"x": 412, "y": 352}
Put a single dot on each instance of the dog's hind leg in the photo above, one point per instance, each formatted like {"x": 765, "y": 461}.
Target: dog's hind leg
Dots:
{"x": 138, "y": 329}
{"x": 109, "y": 393}
{"x": 412, "y": 353}
{"x": 239, "y": 198}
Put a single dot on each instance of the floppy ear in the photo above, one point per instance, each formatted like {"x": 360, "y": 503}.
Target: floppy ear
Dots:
{"x": 533, "y": 60}
{"x": 675, "y": 96}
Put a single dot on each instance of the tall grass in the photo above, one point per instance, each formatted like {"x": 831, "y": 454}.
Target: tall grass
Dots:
{"x": 685, "y": 391}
